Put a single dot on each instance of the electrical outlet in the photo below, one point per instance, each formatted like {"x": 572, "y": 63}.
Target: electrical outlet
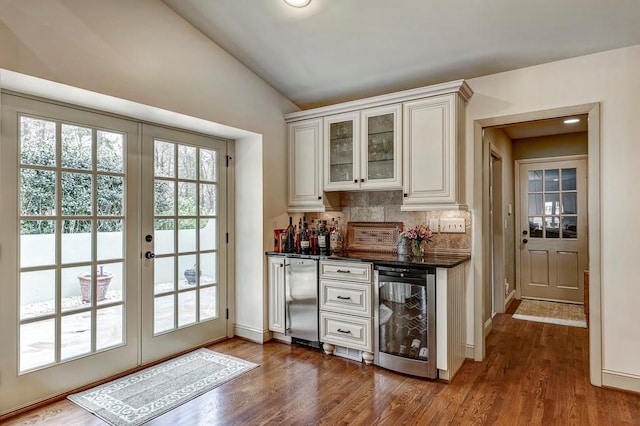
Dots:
{"x": 433, "y": 225}
{"x": 452, "y": 225}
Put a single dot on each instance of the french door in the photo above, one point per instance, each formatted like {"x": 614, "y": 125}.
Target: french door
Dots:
{"x": 84, "y": 197}
{"x": 184, "y": 244}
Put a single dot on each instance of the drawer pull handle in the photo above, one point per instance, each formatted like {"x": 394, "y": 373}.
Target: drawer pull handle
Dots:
{"x": 344, "y": 331}
{"x": 343, "y": 271}
{"x": 344, "y": 297}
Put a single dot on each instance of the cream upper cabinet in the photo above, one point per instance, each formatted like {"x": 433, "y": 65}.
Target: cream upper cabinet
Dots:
{"x": 341, "y": 151}
{"x": 305, "y": 166}
{"x": 363, "y": 149}
{"x": 411, "y": 140}
{"x": 433, "y": 154}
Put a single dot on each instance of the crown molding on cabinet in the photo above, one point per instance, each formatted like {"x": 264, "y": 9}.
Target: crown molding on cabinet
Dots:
{"x": 459, "y": 86}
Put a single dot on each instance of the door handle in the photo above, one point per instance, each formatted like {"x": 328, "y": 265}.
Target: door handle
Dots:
{"x": 525, "y": 241}
{"x": 524, "y": 232}
{"x": 149, "y": 255}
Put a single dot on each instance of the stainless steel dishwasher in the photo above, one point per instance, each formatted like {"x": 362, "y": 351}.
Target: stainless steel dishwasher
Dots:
{"x": 301, "y": 301}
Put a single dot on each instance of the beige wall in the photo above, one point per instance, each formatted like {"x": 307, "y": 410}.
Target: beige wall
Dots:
{"x": 502, "y": 145}
{"x": 550, "y": 146}
{"x": 142, "y": 51}
{"x": 609, "y": 78}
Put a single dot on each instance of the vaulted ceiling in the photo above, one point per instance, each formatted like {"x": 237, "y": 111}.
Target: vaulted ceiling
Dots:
{"x": 337, "y": 50}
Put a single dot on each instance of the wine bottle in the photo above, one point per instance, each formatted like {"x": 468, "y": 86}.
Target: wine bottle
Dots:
{"x": 290, "y": 242}
{"x": 323, "y": 241}
{"x": 305, "y": 246}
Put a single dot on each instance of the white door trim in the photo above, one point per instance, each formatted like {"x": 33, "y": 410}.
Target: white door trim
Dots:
{"x": 480, "y": 250}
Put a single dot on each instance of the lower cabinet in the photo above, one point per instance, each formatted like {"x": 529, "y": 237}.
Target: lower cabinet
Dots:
{"x": 276, "y": 293}
{"x": 346, "y": 318}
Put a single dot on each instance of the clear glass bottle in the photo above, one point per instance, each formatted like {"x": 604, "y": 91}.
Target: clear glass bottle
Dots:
{"x": 335, "y": 238}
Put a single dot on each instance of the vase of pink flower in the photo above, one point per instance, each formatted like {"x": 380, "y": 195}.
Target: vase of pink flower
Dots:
{"x": 417, "y": 236}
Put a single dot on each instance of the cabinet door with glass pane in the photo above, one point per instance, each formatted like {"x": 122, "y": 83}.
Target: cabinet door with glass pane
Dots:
{"x": 380, "y": 164}
{"x": 341, "y": 152}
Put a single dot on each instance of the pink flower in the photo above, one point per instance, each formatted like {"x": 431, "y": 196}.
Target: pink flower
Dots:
{"x": 418, "y": 233}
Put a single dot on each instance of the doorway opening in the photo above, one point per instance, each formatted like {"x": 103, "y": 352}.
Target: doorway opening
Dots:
{"x": 495, "y": 180}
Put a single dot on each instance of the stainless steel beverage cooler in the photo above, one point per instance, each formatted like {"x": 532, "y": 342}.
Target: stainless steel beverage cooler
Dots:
{"x": 405, "y": 320}
{"x": 301, "y": 301}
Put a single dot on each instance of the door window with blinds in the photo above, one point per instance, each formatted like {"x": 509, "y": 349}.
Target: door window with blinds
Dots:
{"x": 553, "y": 210}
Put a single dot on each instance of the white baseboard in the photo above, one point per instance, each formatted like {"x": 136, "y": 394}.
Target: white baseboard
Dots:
{"x": 509, "y": 298}
{"x": 488, "y": 326}
{"x": 623, "y": 381}
{"x": 280, "y": 337}
{"x": 470, "y": 351}
{"x": 252, "y": 334}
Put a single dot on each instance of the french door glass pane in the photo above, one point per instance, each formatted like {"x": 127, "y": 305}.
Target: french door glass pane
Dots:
{"x": 37, "y": 242}
{"x": 569, "y": 179}
{"x": 535, "y": 181}
{"x": 37, "y": 344}
{"x": 110, "y": 152}
{"x": 109, "y": 327}
{"x": 184, "y": 235}
{"x": 76, "y": 147}
{"x": 37, "y": 293}
{"x": 62, "y": 240}
{"x": 551, "y": 182}
{"x": 42, "y": 153}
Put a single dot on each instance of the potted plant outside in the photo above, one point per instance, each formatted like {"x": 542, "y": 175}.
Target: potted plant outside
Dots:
{"x": 103, "y": 279}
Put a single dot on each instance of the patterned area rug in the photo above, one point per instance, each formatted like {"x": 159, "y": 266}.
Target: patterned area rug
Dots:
{"x": 551, "y": 312}
{"x": 139, "y": 397}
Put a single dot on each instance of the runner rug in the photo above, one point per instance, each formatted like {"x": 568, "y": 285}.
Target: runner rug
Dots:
{"x": 551, "y": 312}
{"x": 139, "y": 397}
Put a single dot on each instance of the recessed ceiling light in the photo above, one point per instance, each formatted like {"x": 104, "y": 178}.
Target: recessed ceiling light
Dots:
{"x": 297, "y": 3}
{"x": 571, "y": 120}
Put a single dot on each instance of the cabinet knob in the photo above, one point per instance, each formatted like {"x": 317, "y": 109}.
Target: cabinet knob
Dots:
{"x": 319, "y": 197}
{"x": 405, "y": 195}
{"x": 355, "y": 181}
{"x": 361, "y": 180}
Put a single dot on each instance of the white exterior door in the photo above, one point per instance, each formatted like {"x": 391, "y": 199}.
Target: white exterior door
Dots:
{"x": 184, "y": 201}
{"x": 70, "y": 254}
{"x": 553, "y": 229}
{"x": 84, "y": 198}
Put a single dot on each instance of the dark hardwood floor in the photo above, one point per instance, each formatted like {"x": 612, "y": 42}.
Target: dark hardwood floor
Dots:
{"x": 534, "y": 374}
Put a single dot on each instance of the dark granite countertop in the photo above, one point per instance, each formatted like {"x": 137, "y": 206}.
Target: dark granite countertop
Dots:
{"x": 440, "y": 260}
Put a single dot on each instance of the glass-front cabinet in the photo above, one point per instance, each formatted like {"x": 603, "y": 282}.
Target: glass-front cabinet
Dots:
{"x": 362, "y": 150}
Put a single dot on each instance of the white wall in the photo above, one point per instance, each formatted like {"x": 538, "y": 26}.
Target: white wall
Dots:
{"x": 143, "y": 52}
{"x": 611, "y": 79}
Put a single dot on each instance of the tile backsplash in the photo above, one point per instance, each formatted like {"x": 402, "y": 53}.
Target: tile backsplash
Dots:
{"x": 384, "y": 206}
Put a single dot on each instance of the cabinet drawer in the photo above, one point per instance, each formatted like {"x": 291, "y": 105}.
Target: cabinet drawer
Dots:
{"x": 346, "y": 330}
{"x": 345, "y": 297}
{"x": 349, "y": 271}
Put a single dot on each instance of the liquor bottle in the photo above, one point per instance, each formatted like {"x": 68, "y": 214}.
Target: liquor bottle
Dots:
{"x": 290, "y": 242}
{"x": 335, "y": 238}
{"x": 313, "y": 241}
{"x": 305, "y": 245}
{"x": 323, "y": 240}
